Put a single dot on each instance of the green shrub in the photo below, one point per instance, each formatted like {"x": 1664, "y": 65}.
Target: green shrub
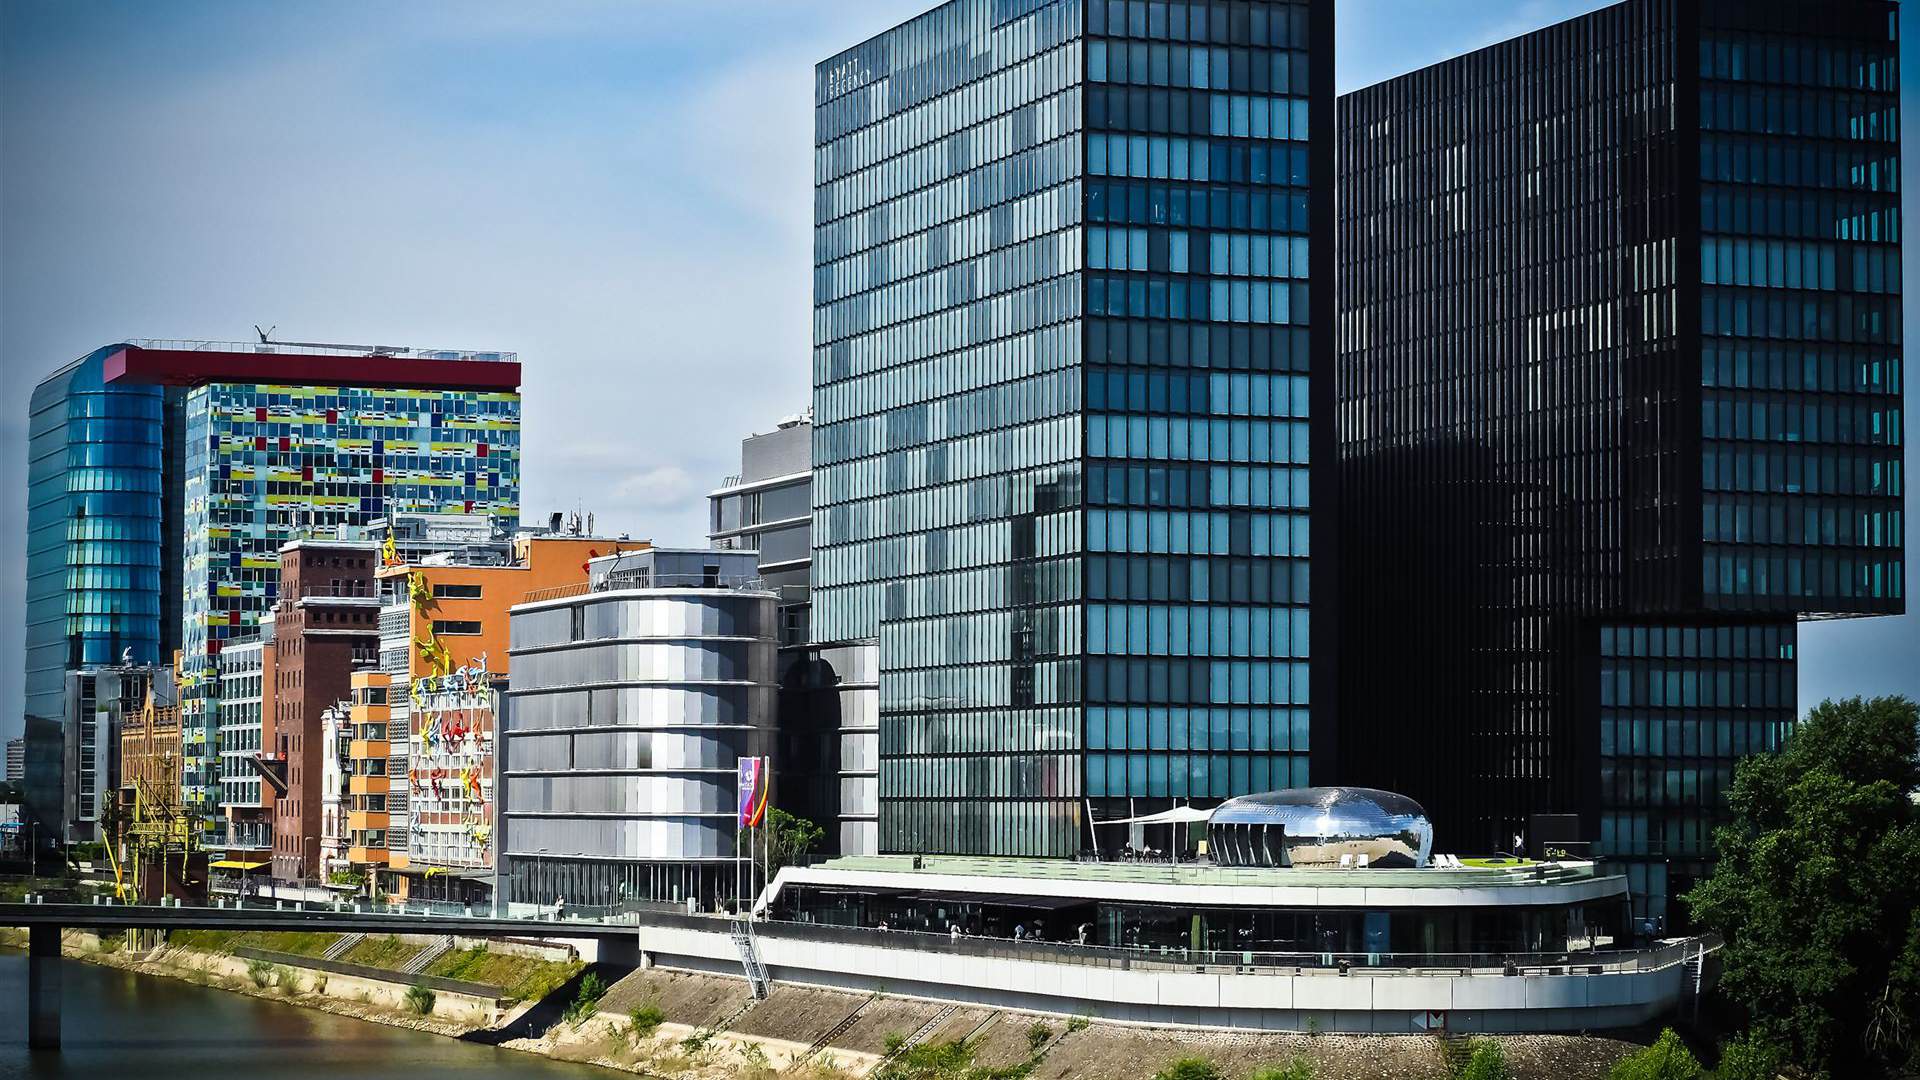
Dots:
{"x": 1191, "y": 1068}
{"x": 260, "y": 972}
{"x": 1667, "y": 1059}
{"x": 1297, "y": 1069}
{"x": 1078, "y": 1023}
{"x": 1487, "y": 1060}
{"x": 420, "y": 999}
{"x": 1749, "y": 1057}
{"x": 894, "y": 1042}
{"x": 1037, "y": 1036}
{"x": 288, "y": 983}
{"x": 643, "y": 1021}
{"x": 585, "y": 1000}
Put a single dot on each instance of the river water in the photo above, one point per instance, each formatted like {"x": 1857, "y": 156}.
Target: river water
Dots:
{"x": 118, "y": 1024}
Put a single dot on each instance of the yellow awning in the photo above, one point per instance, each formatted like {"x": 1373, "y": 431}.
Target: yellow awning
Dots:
{"x": 236, "y": 864}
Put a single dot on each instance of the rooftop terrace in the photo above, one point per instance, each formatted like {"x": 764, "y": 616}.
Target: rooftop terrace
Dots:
{"x": 1477, "y": 872}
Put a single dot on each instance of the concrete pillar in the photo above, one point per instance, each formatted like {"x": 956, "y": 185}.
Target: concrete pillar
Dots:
{"x": 43, "y": 987}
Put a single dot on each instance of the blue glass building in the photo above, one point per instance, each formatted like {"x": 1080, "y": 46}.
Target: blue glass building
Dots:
{"x": 97, "y": 494}
{"x": 1067, "y": 313}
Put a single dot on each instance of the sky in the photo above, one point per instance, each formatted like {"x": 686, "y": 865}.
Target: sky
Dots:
{"x": 618, "y": 191}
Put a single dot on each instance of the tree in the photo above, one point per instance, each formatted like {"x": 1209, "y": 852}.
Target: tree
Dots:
{"x": 1816, "y": 890}
{"x": 789, "y": 836}
{"x": 1667, "y": 1059}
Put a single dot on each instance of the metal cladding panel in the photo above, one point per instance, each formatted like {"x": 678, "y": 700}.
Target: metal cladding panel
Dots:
{"x": 182, "y": 367}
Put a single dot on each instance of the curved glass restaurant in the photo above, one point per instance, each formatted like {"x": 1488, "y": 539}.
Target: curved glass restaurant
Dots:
{"x": 1423, "y": 915}
{"x": 1298, "y": 875}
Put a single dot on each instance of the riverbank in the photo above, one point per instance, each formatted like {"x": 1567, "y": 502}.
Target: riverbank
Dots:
{"x": 689, "y": 1026}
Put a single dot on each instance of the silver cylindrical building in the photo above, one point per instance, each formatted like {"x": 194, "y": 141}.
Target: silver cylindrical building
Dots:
{"x": 629, "y": 708}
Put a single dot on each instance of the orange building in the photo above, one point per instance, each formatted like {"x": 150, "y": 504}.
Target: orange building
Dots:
{"x": 447, "y": 614}
{"x": 368, "y": 783}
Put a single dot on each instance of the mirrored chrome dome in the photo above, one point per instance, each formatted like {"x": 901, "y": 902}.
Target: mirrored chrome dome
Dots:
{"x": 1315, "y": 826}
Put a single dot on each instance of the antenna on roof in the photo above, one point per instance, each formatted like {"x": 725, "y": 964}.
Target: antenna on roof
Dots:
{"x": 267, "y": 334}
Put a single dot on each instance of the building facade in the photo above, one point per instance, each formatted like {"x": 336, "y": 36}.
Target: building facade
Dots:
{"x": 631, "y": 705}
{"x": 98, "y": 702}
{"x": 273, "y": 458}
{"x": 1068, "y": 299}
{"x": 826, "y": 754}
{"x": 98, "y": 494}
{"x": 246, "y": 736}
{"x": 325, "y": 624}
{"x": 1619, "y": 400}
{"x": 446, "y": 592}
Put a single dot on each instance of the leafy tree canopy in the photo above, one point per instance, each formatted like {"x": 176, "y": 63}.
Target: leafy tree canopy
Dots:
{"x": 1816, "y": 890}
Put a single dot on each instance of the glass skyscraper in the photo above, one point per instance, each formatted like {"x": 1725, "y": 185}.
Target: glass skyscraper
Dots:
{"x": 1619, "y": 400}
{"x": 97, "y": 488}
{"x": 1066, "y": 313}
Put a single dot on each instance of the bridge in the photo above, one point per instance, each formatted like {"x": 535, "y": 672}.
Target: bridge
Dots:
{"x": 44, "y": 922}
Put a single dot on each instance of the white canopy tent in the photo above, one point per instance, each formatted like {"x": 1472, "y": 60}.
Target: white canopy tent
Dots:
{"x": 1177, "y": 815}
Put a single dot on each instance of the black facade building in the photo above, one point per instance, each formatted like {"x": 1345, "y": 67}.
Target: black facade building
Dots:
{"x": 1072, "y": 315}
{"x": 1619, "y": 388}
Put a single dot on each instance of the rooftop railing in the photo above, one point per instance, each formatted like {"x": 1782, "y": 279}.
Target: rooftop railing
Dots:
{"x": 315, "y": 348}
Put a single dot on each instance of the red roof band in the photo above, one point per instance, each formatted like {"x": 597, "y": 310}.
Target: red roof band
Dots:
{"x": 182, "y": 367}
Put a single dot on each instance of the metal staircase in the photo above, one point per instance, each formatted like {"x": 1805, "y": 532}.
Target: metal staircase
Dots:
{"x": 835, "y": 1032}
{"x": 341, "y": 947}
{"x": 434, "y": 950}
{"x": 750, "y": 960}
{"x": 926, "y": 1030}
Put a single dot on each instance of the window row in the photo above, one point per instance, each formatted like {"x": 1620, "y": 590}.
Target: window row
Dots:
{"x": 1161, "y": 157}
{"x": 1754, "y": 366}
{"x": 1810, "y": 113}
{"x": 1654, "y": 784}
{"x": 1183, "y": 438}
{"x": 1209, "y": 580}
{"x": 1867, "y": 320}
{"x": 1220, "y": 22}
{"x": 1796, "y": 60}
{"x": 1264, "y": 303}
{"x": 1219, "y": 393}
{"x": 1178, "y": 532}
{"x": 1868, "y": 422}
{"x": 1790, "y": 264}
{"x": 1170, "y": 251}
{"x": 1173, "y": 681}
{"x": 1186, "y": 630}
{"x": 1723, "y": 734}
{"x": 1723, "y": 684}
{"x": 1808, "y": 470}
{"x": 1195, "y": 776}
{"x": 1179, "y": 728}
{"x": 1180, "y": 66}
{"x": 1736, "y": 572}
{"x": 1217, "y": 487}
{"x": 1125, "y": 202}
{"x": 1813, "y": 215}
{"x": 1747, "y": 160}
{"x": 1799, "y": 520}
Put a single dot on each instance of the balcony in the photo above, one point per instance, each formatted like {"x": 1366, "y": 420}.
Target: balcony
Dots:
{"x": 359, "y": 821}
{"x": 362, "y": 749}
{"x": 371, "y": 784}
{"x": 361, "y": 856}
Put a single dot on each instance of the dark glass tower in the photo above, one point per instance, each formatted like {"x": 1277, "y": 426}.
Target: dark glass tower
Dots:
{"x": 1619, "y": 400}
{"x": 1066, "y": 317}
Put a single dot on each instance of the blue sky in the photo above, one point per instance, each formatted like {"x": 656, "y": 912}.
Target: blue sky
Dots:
{"x": 619, "y": 191}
